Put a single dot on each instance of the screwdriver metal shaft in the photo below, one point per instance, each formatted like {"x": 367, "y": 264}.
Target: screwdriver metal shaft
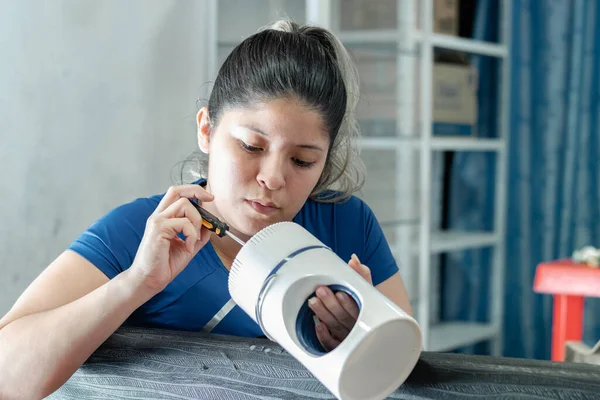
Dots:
{"x": 237, "y": 239}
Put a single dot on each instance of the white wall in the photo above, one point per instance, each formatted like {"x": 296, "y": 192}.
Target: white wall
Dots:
{"x": 97, "y": 105}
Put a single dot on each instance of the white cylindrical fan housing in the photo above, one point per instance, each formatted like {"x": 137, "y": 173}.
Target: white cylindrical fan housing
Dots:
{"x": 273, "y": 277}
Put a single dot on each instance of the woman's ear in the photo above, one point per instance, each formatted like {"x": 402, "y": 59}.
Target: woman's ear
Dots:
{"x": 203, "y": 121}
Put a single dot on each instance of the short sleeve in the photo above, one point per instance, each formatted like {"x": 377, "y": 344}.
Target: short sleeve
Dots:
{"x": 111, "y": 242}
{"x": 377, "y": 253}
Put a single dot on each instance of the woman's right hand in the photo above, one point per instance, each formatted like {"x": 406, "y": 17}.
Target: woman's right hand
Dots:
{"x": 162, "y": 254}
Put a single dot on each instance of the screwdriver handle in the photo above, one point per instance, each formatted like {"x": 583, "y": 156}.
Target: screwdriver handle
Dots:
{"x": 211, "y": 222}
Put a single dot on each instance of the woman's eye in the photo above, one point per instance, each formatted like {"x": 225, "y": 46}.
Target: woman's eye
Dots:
{"x": 249, "y": 147}
{"x": 301, "y": 163}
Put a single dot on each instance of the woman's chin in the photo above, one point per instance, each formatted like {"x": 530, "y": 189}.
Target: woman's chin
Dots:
{"x": 251, "y": 227}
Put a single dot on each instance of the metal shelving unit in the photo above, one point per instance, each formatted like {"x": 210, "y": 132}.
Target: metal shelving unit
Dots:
{"x": 420, "y": 242}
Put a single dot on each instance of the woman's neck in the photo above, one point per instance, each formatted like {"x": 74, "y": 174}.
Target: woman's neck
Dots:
{"x": 226, "y": 248}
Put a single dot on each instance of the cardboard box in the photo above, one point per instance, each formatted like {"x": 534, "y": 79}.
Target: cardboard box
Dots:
{"x": 383, "y": 14}
{"x": 367, "y": 14}
{"x": 454, "y": 96}
{"x": 445, "y": 17}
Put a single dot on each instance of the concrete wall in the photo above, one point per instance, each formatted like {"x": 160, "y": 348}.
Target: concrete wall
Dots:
{"x": 97, "y": 105}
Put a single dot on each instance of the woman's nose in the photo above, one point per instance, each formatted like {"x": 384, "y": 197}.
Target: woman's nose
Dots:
{"x": 272, "y": 174}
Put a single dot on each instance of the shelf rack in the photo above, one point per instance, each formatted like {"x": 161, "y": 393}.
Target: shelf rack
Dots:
{"x": 419, "y": 241}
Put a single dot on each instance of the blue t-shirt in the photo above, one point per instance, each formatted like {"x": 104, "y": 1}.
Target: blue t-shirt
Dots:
{"x": 201, "y": 289}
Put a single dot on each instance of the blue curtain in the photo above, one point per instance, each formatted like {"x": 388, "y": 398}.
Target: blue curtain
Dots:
{"x": 553, "y": 193}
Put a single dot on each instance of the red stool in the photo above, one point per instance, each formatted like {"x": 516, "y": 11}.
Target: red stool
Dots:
{"x": 569, "y": 283}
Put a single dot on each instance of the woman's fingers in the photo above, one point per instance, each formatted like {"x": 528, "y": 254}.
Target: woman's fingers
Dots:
{"x": 171, "y": 227}
{"x": 338, "y": 329}
{"x": 335, "y": 308}
{"x": 349, "y": 305}
{"x": 183, "y": 208}
{"x": 184, "y": 191}
{"x": 173, "y": 236}
{"x": 324, "y": 336}
{"x": 362, "y": 269}
{"x": 336, "y": 314}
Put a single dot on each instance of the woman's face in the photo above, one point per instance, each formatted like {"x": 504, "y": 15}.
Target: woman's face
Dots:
{"x": 264, "y": 162}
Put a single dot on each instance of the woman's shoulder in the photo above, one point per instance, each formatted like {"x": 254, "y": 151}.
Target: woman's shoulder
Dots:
{"x": 138, "y": 206}
{"x": 132, "y": 213}
{"x": 112, "y": 240}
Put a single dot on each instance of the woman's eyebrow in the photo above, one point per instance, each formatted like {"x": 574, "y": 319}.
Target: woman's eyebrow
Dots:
{"x": 253, "y": 128}
{"x": 304, "y": 146}
{"x": 310, "y": 146}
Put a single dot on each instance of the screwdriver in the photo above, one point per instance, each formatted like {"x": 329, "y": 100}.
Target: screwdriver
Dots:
{"x": 215, "y": 225}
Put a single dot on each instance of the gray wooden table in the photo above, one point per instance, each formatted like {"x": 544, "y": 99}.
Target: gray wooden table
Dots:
{"x": 157, "y": 364}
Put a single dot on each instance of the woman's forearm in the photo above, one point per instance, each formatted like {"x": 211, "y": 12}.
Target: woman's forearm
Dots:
{"x": 40, "y": 352}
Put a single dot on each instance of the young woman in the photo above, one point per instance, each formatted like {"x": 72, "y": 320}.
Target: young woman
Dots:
{"x": 279, "y": 134}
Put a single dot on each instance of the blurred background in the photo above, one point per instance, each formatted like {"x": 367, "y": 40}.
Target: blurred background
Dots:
{"x": 480, "y": 123}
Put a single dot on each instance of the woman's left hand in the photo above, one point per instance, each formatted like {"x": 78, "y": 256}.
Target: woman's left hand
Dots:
{"x": 336, "y": 313}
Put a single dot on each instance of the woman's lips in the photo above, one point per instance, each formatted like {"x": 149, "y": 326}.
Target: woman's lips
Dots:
{"x": 261, "y": 208}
